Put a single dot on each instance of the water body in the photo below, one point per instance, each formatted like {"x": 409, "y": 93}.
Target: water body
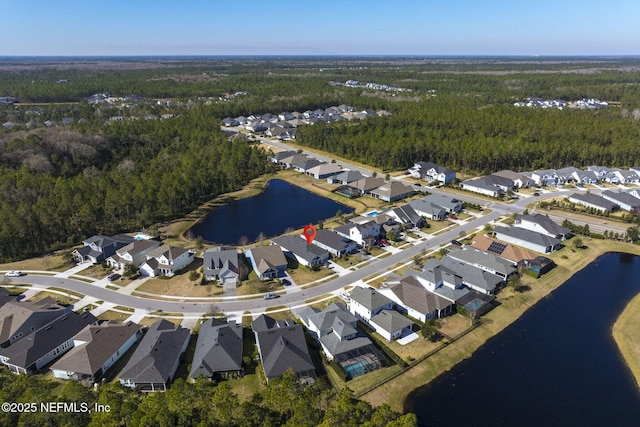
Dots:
{"x": 280, "y": 206}
{"x": 557, "y": 365}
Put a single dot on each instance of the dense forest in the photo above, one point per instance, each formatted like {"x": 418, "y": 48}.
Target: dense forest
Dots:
{"x": 59, "y": 185}
{"x": 283, "y": 402}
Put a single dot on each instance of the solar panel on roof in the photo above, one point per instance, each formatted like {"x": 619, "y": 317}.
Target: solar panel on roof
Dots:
{"x": 497, "y": 247}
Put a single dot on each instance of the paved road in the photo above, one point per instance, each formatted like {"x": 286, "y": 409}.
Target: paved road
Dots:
{"x": 292, "y": 299}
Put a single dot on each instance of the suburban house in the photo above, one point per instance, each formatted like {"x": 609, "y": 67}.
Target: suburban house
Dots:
{"x": 96, "y": 349}
{"x": 484, "y": 261}
{"x": 278, "y": 157}
{"x": 334, "y": 243}
{"x": 222, "y": 265}
{"x": 364, "y": 234}
{"x": 515, "y": 254}
{"x": 337, "y": 332}
{"x": 441, "y": 281}
{"x": 414, "y": 300}
{"x": 297, "y": 248}
{"x": 368, "y": 184}
{"x": 449, "y": 203}
{"x": 477, "y": 278}
{"x": 406, "y": 215}
{"x": 289, "y": 161}
{"x": 391, "y": 324}
{"x": 431, "y": 172}
{"x": 156, "y": 359}
{"x": 392, "y": 191}
{"x": 543, "y": 177}
{"x": 528, "y": 239}
{"x": 345, "y": 177}
{"x": 135, "y": 253}
{"x": 218, "y": 350}
{"x": 306, "y": 165}
{"x": 6, "y": 297}
{"x": 428, "y": 209}
{"x": 626, "y": 176}
{"x": 19, "y": 319}
{"x": 324, "y": 170}
{"x": 45, "y": 344}
{"x": 267, "y": 261}
{"x": 625, "y": 200}
{"x": 166, "y": 261}
{"x": 98, "y": 248}
{"x": 519, "y": 180}
{"x": 592, "y": 201}
{"x": 568, "y": 174}
{"x": 282, "y": 346}
{"x": 542, "y": 224}
{"x": 364, "y": 303}
{"x": 482, "y": 186}
{"x": 586, "y": 177}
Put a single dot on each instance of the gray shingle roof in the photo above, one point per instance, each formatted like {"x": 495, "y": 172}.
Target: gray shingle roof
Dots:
{"x": 545, "y": 222}
{"x": 480, "y": 258}
{"x": 29, "y": 350}
{"x": 156, "y": 354}
{"x": 218, "y": 350}
{"x": 592, "y": 199}
{"x": 415, "y": 296}
{"x": 391, "y": 321}
{"x": 27, "y": 316}
{"x": 217, "y": 260}
{"x": 527, "y": 235}
{"x": 282, "y": 347}
{"x": 100, "y": 343}
{"x": 299, "y": 246}
{"x": 369, "y": 298}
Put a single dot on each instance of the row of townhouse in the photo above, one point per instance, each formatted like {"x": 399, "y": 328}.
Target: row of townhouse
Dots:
{"x": 609, "y": 201}
{"x": 498, "y": 183}
{"x": 283, "y": 125}
{"x": 352, "y": 182}
{"x": 151, "y": 257}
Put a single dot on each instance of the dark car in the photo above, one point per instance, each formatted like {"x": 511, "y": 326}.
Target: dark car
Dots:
{"x": 456, "y": 243}
{"x": 285, "y": 282}
{"x": 536, "y": 194}
{"x": 113, "y": 276}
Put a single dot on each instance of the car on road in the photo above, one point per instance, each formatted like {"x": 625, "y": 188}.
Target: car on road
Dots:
{"x": 536, "y": 194}
{"x": 113, "y": 276}
{"x": 14, "y": 273}
{"x": 270, "y": 295}
{"x": 286, "y": 282}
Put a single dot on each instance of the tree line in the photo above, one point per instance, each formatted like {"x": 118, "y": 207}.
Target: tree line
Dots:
{"x": 283, "y": 402}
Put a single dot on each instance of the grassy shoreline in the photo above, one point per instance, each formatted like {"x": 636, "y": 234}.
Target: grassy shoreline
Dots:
{"x": 626, "y": 334}
{"x": 512, "y": 306}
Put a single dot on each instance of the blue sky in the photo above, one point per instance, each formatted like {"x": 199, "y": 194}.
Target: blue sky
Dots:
{"x": 325, "y": 27}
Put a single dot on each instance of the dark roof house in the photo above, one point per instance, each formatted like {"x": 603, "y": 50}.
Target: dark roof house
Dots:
{"x": 282, "y": 346}
{"x": 218, "y": 349}
{"x": 156, "y": 359}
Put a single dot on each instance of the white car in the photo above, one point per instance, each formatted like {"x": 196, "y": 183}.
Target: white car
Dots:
{"x": 14, "y": 273}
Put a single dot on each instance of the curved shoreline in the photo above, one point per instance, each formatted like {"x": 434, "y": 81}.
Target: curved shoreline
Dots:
{"x": 512, "y": 307}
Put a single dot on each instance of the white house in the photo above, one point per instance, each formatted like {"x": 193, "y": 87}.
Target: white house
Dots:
{"x": 365, "y": 303}
{"x": 391, "y": 324}
{"x": 166, "y": 261}
{"x": 432, "y": 172}
{"x": 363, "y": 234}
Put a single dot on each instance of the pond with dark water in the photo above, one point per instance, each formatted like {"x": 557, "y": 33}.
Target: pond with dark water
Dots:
{"x": 556, "y": 365}
{"x": 279, "y": 207}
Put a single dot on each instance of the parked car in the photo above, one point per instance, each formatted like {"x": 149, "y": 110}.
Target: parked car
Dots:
{"x": 286, "y": 282}
{"x": 453, "y": 216}
{"x": 14, "y": 273}
{"x": 536, "y": 194}
{"x": 113, "y": 276}
{"x": 270, "y": 295}
{"x": 456, "y": 243}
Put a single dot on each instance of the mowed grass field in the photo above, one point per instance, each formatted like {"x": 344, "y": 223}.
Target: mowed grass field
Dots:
{"x": 626, "y": 333}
